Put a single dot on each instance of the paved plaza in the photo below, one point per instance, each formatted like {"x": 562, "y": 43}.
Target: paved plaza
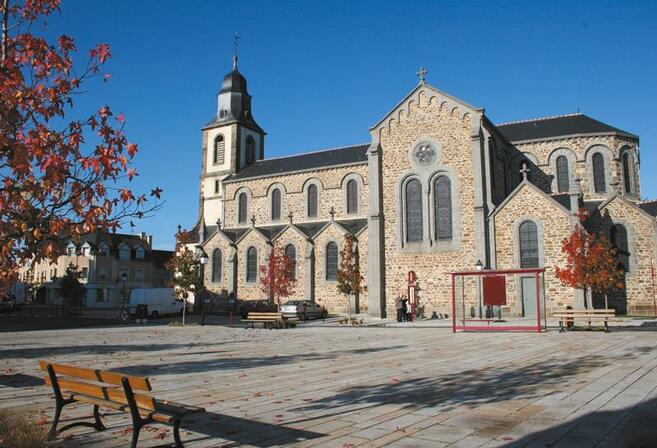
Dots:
{"x": 331, "y": 386}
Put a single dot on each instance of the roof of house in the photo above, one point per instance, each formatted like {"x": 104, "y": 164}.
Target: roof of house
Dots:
{"x": 551, "y": 127}
{"x": 649, "y": 207}
{"x": 301, "y": 162}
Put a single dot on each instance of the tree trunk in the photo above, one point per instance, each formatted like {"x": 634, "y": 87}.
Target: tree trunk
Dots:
{"x": 184, "y": 311}
{"x": 5, "y": 21}
{"x": 606, "y": 302}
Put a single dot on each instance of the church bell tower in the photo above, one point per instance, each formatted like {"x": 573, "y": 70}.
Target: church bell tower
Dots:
{"x": 231, "y": 142}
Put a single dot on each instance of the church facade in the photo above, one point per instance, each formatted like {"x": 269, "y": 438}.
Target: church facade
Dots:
{"x": 438, "y": 189}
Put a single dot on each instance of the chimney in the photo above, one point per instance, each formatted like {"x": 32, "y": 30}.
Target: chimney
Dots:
{"x": 150, "y": 240}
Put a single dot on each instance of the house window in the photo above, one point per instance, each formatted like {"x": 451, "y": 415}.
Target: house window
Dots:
{"x": 216, "y": 266}
{"x": 102, "y": 295}
{"x": 627, "y": 174}
{"x": 103, "y": 250}
{"x": 312, "y": 201}
{"x": 85, "y": 251}
{"x": 528, "y": 237}
{"x": 619, "y": 240}
{"x": 443, "y": 208}
{"x": 413, "y": 211}
{"x": 276, "y": 204}
{"x": 251, "y": 264}
{"x": 103, "y": 274}
{"x": 140, "y": 253}
{"x": 70, "y": 250}
{"x": 216, "y": 186}
{"x": 124, "y": 275}
{"x": 599, "y": 181}
{"x": 124, "y": 253}
{"x": 219, "y": 150}
{"x": 85, "y": 272}
{"x": 352, "y": 196}
{"x": 250, "y": 150}
{"x": 291, "y": 254}
{"x": 241, "y": 208}
{"x": 331, "y": 261}
{"x": 563, "y": 177}
{"x": 139, "y": 275}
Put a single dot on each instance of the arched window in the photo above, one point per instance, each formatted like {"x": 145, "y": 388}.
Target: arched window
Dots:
{"x": 219, "y": 150}
{"x": 216, "y": 266}
{"x": 242, "y": 208}
{"x": 250, "y": 150}
{"x": 619, "y": 240}
{"x": 627, "y": 173}
{"x": 291, "y": 254}
{"x": 251, "y": 264}
{"x": 599, "y": 181}
{"x": 528, "y": 245}
{"x": 352, "y": 196}
{"x": 563, "y": 176}
{"x": 442, "y": 207}
{"x": 331, "y": 261}
{"x": 413, "y": 211}
{"x": 312, "y": 200}
{"x": 276, "y": 204}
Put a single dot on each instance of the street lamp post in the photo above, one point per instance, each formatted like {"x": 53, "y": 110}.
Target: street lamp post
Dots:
{"x": 203, "y": 259}
{"x": 479, "y": 266}
{"x": 124, "y": 299}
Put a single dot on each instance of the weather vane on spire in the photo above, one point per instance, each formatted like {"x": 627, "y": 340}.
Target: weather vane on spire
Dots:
{"x": 422, "y": 74}
{"x": 236, "y": 43}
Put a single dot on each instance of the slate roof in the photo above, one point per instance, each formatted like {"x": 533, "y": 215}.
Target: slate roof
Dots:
{"x": 551, "y": 127}
{"x": 353, "y": 226}
{"x": 563, "y": 199}
{"x": 649, "y": 207}
{"x": 307, "y": 161}
{"x": 311, "y": 229}
{"x": 234, "y": 234}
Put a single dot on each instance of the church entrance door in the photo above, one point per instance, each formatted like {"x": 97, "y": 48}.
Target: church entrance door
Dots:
{"x": 528, "y": 296}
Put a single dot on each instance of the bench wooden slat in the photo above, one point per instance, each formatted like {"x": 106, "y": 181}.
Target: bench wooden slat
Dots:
{"x": 103, "y": 392}
{"x": 100, "y": 376}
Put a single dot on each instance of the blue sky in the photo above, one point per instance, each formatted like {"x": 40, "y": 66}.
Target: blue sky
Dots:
{"x": 321, "y": 73}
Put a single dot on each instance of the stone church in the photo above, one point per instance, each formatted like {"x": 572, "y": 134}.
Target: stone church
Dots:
{"x": 439, "y": 188}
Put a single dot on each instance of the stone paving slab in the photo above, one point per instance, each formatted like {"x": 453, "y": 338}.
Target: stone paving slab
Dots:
{"x": 372, "y": 386}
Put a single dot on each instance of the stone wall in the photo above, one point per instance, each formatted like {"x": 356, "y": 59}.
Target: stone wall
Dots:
{"x": 543, "y": 150}
{"x": 332, "y": 194}
{"x": 554, "y": 224}
{"x": 427, "y": 118}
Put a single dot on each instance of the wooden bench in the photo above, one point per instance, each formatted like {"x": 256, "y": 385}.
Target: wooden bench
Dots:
{"x": 268, "y": 320}
{"x": 569, "y": 316}
{"x": 111, "y": 390}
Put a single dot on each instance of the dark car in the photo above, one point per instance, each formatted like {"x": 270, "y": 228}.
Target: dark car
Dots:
{"x": 303, "y": 309}
{"x": 257, "y": 306}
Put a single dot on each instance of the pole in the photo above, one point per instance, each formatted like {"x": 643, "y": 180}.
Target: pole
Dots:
{"x": 538, "y": 303}
{"x": 652, "y": 274}
{"x": 453, "y": 305}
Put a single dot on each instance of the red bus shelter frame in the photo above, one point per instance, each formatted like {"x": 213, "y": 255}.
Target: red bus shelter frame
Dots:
{"x": 537, "y": 273}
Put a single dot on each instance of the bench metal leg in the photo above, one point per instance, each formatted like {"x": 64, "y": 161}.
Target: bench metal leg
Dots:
{"x": 55, "y": 421}
{"x": 98, "y": 422}
{"x": 135, "y": 435}
{"x": 176, "y": 434}
{"x": 561, "y": 330}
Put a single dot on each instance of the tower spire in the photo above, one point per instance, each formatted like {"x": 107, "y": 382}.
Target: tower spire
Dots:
{"x": 236, "y": 43}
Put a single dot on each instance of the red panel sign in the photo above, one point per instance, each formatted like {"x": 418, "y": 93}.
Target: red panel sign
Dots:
{"x": 495, "y": 290}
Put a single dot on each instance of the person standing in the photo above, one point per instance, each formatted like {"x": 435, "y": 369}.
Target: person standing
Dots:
{"x": 404, "y": 302}
{"x": 400, "y": 308}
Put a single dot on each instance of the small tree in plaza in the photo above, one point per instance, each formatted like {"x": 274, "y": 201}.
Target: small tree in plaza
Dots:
{"x": 185, "y": 271}
{"x": 591, "y": 262}
{"x": 71, "y": 290}
{"x": 350, "y": 281}
{"x": 275, "y": 279}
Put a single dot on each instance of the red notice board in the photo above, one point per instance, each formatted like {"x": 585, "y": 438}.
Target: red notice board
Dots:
{"x": 495, "y": 290}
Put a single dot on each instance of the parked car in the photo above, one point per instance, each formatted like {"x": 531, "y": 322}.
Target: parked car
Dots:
{"x": 160, "y": 302}
{"x": 257, "y": 306}
{"x": 10, "y": 302}
{"x": 303, "y": 309}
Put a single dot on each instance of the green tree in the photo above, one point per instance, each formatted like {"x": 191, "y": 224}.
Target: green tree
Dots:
{"x": 350, "y": 280}
{"x": 185, "y": 271}
{"x": 71, "y": 289}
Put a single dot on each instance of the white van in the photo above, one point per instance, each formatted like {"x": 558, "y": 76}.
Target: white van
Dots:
{"x": 160, "y": 301}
